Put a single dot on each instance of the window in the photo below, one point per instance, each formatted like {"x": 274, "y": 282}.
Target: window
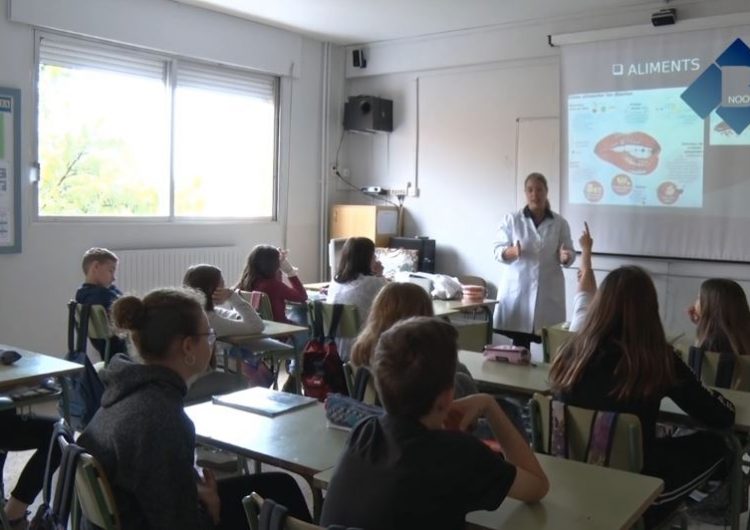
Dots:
{"x": 124, "y": 134}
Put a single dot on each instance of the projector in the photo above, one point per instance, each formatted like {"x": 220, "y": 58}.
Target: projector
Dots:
{"x": 664, "y": 17}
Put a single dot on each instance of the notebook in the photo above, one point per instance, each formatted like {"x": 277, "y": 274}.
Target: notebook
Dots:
{"x": 263, "y": 401}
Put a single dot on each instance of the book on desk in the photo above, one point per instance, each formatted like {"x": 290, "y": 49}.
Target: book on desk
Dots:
{"x": 263, "y": 401}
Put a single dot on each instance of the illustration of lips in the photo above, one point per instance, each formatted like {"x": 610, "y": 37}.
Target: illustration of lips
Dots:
{"x": 668, "y": 192}
{"x": 593, "y": 191}
{"x": 636, "y": 152}
{"x": 622, "y": 184}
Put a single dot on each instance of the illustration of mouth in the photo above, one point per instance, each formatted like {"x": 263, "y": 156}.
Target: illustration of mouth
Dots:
{"x": 636, "y": 152}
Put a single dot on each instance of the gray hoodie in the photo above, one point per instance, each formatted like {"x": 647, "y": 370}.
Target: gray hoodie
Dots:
{"x": 146, "y": 443}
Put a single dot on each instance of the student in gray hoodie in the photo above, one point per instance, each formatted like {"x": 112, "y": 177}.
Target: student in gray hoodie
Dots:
{"x": 145, "y": 441}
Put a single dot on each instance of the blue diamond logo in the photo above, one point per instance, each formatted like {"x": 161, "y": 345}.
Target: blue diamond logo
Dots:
{"x": 724, "y": 87}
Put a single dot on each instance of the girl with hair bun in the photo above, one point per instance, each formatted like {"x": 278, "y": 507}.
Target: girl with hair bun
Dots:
{"x": 144, "y": 440}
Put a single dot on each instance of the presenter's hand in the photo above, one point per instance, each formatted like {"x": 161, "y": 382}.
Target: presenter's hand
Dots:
{"x": 585, "y": 240}
{"x": 512, "y": 253}
{"x": 565, "y": 255}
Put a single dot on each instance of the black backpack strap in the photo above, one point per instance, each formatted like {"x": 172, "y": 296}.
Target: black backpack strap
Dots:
{"x": 71, "y": 326}
{"x": 317, "y": 320}
{"x": 338, "y": 311}
{"x": 695, "y": 360}
{"x": 60, "y": 429}
{"x": 725, "y": 370}
{"x": 64, "y": 500}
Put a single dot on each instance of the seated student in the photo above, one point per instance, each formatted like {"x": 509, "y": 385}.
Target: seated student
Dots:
{"x": 99, "y": 267}
{"x": 359, "y": 277}
{"x": 263, "y": 273}
{"x": 144, "y": 440}
{"x": 394, "y": 302}
{"x": 722, "y": 317}
{"x": 586, "y": 281}
{"x": 620, "y": 361}
{"x": 405, "y": 470}
{"x": 241, "y": 319}
{"x": 20, "y": 433}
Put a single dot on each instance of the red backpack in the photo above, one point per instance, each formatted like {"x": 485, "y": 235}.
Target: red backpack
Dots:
{"x": 322, "y": 369}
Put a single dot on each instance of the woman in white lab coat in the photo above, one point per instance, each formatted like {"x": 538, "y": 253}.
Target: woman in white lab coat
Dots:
{"x": 532, "y": 245}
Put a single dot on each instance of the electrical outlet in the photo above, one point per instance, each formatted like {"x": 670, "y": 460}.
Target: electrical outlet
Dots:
{"x": 396, "y": 193}
{"x": 413, "y": 192}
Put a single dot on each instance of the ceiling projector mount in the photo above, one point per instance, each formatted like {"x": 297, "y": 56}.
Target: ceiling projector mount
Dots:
{"x": 664, "y": 17}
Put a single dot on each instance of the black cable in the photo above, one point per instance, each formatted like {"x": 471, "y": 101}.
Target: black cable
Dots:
{"x": 349, "y": 183}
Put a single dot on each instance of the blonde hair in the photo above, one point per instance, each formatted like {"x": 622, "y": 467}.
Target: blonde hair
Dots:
{"x": 394, "y": 302}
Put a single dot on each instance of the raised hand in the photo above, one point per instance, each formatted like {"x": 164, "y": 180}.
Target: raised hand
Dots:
{"x": 221, "y": 295}
{"x": 585, "y": 240}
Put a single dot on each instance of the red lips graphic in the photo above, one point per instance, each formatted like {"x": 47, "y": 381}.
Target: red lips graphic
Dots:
{"x": 636, "y": 153}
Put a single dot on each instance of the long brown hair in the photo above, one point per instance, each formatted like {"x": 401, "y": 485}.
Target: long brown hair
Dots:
{"x": 263, "y": 263}
{"x": 624, "y": 314}
{"x": 725, "y": 316}
{"x": 394, "y": 302}
{"x": 356, "y": 259}
{"x": 205, "y": 278}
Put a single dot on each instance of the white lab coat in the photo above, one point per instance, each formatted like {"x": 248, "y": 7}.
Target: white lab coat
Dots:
{"x": 532, "y": 288}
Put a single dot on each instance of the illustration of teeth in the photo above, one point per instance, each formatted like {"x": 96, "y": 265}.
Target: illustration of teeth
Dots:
{"x": 636, "y": 152}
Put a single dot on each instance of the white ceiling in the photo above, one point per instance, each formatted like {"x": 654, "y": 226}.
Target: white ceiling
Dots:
{"x": 360, "y": 21}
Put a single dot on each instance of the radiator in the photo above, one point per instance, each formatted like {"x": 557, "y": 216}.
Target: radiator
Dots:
{"x": 141, "y": 270}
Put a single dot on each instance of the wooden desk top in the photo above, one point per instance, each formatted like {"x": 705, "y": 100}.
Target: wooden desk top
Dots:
{"x": 316, "y": 286}
{"x": 581, "y": 497}
{"x": 298, "y": 441}
{"x": 271, "y": 329}
{"x": 511, "y": 377}
{"x": 33, "y": 367}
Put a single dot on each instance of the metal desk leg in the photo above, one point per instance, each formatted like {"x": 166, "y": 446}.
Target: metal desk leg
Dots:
{"x": 317, "y": 495}
{"x": 65, "y": 384}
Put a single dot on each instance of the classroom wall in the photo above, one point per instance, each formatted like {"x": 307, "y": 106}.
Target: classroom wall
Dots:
{"x": 36, "y": 284}
{"x": 457, "y": 97}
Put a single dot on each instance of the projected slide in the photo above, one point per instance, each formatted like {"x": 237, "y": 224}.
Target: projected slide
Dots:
{"x": 635, "y": 148}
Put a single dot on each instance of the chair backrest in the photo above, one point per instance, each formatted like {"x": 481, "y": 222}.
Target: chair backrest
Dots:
{"x": 553, "y": 338}
{"x": 99, "y": 326}
{"x": 94, "y": 494}
{"x": 253, "y": 504}
{"x": 625, "y": 438}
{"x": 724, "y": 370}
{"x": 349, "y": 324}
{"x": 261, "y": 303}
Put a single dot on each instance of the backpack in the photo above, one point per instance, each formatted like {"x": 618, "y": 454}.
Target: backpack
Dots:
{"x": 86, "y": 388}
{"x": 322, "y": 369}
{"x": 53, "y": 515}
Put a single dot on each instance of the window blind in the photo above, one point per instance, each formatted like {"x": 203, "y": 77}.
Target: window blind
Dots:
{"x": 243, "y": 83}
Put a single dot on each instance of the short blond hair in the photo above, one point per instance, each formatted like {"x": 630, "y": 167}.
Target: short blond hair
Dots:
{"x": 97, "y": 255}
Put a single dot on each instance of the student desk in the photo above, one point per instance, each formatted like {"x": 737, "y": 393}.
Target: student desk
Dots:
{"x": 528, "y": 379}
{"x": 272, "y": 329}
{"x": 517, "y": 379}
{"x": 299, "y": 441}
{"x": 581, "y": 497}
{"x": 33, "y": 368}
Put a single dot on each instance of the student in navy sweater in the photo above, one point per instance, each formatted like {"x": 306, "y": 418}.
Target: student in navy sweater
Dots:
{"x": 620, "y": 361}
{"x": 99, "y": 268}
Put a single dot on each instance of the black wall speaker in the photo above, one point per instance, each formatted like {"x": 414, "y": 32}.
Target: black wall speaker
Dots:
{"x": 358, "y": 58}
{"x": 368, "y": 113}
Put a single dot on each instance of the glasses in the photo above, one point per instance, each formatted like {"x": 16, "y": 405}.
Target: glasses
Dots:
{"x": 210, "y": 335}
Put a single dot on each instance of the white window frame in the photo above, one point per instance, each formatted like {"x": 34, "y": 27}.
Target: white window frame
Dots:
{"x": 171, "y": 61}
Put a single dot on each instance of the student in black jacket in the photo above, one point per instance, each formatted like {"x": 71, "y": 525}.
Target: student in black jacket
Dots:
{"x": 621, "y": 361}
{"x": 144, "y": 440}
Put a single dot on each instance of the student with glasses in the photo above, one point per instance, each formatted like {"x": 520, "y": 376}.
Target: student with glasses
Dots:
{"x": 142, "y": 436}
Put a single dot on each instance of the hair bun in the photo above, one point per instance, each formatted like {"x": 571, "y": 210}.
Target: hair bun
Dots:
{"x": 129, "y": 313}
